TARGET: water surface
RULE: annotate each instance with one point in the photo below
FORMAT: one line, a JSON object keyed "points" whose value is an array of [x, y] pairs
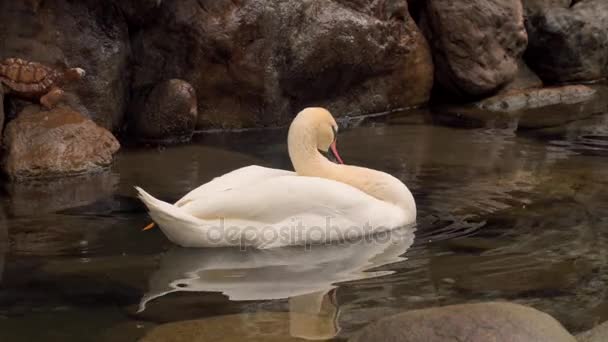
{"points": [[502, 216]]}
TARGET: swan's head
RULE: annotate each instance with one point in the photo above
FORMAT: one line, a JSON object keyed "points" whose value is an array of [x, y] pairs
{"points": [[314, 126]]}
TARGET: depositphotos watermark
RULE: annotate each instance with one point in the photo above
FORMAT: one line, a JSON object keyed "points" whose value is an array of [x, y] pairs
{"points": [[299, 233]]}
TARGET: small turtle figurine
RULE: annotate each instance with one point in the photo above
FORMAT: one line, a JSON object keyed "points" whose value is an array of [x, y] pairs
{"points": [[35, 81]]}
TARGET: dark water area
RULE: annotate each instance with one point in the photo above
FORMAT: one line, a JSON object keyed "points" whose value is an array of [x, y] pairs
{"points": [[502, 215]]}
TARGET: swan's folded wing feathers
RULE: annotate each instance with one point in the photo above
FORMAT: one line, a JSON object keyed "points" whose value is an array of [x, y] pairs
{"points": [[233, 180], [280, 198]]}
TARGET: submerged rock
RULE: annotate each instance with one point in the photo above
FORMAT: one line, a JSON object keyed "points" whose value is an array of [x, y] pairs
{"points": [[60, 142], [569, 44], [476, 44], [264, 326], [498, 322], [167, 114], [257, 62], [88, 34]]}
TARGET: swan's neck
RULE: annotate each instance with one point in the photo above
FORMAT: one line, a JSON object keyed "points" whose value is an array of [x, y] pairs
{"points": [[308, 161]]}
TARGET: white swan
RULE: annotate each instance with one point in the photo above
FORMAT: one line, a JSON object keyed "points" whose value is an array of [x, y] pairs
{"points": [[265, 208]]}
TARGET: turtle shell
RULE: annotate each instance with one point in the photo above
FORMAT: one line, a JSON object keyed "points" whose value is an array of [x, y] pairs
{"points": [[26, 77]]}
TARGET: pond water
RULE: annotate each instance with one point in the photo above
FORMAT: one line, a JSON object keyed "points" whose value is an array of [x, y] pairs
{"points": [[510, 216]]}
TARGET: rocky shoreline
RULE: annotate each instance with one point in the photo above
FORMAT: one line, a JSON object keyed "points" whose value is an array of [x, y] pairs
{"points": [[157, 70]]}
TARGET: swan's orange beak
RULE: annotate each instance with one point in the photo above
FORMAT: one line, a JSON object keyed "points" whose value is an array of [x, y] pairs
{"points": [[334, 151], [150, 226]]}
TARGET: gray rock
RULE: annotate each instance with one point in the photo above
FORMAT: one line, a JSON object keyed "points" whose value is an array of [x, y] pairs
{"points": [[476, 44], [88, 34], [257, 62], [168, 113], [569, 44], [60, 142], [498, 322], [597, 334]]}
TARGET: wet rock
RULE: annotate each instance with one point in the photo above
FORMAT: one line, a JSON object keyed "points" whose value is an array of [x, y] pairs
{"points": [[263, 326], [569, 44], [167, 114], [499, 322], [597, 334], [529, 108], [60, 142], [257, 62], [532, 99], [476, 44], [88, 34]]}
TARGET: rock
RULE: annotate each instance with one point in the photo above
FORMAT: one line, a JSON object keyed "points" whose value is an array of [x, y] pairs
{"points": [[569, 44], [529, 108], [597, 334], [87, 34], [168, 113], [525, 79], [534, 6], [257, 62], [476, 44], [498, 322], [537, 98], [264, 326], [60, 142]]}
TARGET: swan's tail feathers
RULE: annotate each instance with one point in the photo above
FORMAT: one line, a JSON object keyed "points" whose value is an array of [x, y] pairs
{"points": [[174, 221]]}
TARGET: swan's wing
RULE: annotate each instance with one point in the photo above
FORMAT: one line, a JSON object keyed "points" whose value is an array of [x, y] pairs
{"points": [[309, 199], [238, 178]]}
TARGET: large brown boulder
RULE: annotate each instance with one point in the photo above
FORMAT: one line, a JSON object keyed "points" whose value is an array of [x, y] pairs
{"points": [[61, 142], [257, 62], [89, 34], [476, 44], [497, 322], [569, 44], [167, 114]]}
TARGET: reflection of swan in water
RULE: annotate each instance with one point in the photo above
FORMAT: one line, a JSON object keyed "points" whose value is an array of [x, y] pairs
{"points": [[304, 275]]}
